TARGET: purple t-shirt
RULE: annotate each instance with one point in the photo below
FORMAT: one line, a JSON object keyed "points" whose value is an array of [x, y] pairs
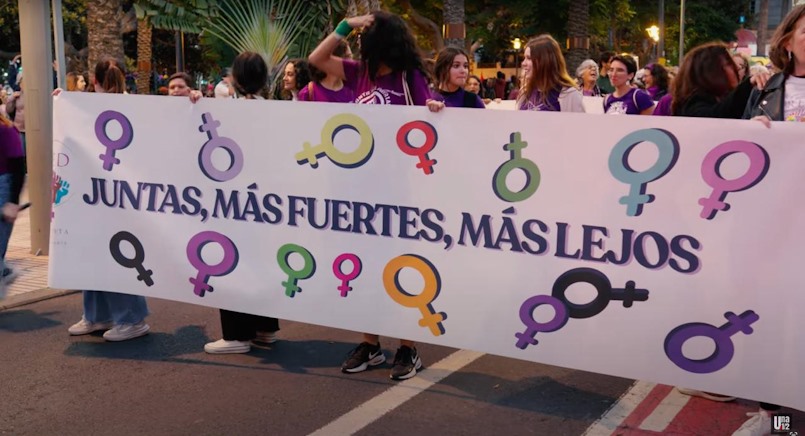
{"points": [[632, 103], [320, 93], [535, 103], [387, 89], [10, 146], [663, 107], [456, 99]]}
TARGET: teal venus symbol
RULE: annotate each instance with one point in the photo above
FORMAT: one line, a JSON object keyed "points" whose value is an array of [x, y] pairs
{"points": [[668, 149]]}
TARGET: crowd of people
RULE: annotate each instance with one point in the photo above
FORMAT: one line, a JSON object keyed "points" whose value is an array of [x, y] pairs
{"points": [[711, 81]]}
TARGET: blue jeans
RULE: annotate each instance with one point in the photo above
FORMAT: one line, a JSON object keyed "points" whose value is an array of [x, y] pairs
{"points": [[112, 306], [5, 227]]}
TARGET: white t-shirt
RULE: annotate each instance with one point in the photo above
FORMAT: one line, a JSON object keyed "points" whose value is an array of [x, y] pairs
{"points": [[794, 99], [222, 90]]}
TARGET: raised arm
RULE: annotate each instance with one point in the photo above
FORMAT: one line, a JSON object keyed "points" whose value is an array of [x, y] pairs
{"points": [[322, 57]]}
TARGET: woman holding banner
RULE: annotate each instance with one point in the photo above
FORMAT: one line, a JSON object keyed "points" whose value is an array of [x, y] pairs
{"points": [[242, 330], [451, 71], [547, 86], [328, 87], [626, 99], [121, 315], [391, 71], [782, 99]]}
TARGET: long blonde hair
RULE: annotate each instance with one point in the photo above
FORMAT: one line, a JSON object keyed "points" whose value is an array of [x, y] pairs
{"points": [[548, 69]]}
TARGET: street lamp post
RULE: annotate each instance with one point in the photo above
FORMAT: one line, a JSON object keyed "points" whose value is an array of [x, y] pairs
{"points": [[654, 34], [516, 44]]}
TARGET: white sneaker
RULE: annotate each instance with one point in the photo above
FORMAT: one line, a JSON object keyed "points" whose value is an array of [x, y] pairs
{"points": [[758, 425], [85, 327], [265, 337], [222, 346], [123, 332], [708, 395]]}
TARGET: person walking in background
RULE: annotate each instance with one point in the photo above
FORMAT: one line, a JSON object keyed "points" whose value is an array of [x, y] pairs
{"points": [[603, 81], [328, 87], [626, 99], [15, 107], [547, 85], [295, 77], [224, 88], [587, 75], [121, 315], [76, 82], [655, 77], [12, 177], [391, 71]]}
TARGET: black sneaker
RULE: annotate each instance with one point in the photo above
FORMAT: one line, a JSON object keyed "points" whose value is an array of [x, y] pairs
{"points": [[362, 357], [406, 362]]}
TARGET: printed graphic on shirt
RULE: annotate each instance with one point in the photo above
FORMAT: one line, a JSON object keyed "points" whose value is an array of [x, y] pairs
{"points": [[795, 99], [377, 96], [617, 108]]}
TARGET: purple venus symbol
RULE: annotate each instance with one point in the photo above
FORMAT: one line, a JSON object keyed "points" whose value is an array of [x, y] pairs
{"points": [[758, 166], [205, 271], [722, 336], [528, 337], [231, 147], [112, 145], [357, 267]]}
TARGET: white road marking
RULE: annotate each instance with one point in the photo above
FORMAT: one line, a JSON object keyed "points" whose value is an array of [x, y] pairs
{"points": [[372, 410], [622, 408], [665, 412]]}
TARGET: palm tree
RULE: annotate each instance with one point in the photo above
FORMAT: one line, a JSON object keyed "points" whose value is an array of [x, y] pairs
{"points": [[762, 27], [103, 31], [578, 32], [144, 52], [454, 19]]}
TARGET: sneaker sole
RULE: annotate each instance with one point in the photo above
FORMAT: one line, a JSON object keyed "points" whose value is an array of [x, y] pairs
{"points": [[378, 360], [417, 366], [86, 332], [142, 332], [209, 350]]}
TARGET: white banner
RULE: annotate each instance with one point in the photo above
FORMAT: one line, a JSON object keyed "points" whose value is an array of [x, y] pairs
{"points": [[654, 248]]}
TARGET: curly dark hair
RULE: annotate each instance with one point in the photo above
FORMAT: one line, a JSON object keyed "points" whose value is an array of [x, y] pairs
{"points": [[389, 41], [660, 75], [249, 73]]}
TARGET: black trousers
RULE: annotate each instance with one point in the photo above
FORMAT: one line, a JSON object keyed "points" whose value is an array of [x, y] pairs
{"points": [[238, 326]]}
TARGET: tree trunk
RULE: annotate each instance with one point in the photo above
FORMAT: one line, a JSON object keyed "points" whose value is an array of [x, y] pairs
{"points": [[103, 32], [144, 30], [454, 23], [578, 33], [762, 27]]}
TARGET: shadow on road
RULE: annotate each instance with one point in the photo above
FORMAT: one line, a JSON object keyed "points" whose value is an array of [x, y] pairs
{"points": [[20, 321]]}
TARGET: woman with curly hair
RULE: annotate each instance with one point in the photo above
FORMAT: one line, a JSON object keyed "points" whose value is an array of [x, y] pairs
{"points": [[391, 71], [656, 79], [296, 76], [547, 86]]}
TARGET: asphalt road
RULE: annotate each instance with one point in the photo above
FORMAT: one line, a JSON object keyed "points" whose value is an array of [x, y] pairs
{"points": [[164, 384]]}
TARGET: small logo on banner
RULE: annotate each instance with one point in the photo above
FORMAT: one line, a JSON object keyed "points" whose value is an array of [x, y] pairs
{"points": [[781, 424]]}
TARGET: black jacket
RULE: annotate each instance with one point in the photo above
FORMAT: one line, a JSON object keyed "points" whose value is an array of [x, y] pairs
{"points": [[769, 102], [731, 106]]}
